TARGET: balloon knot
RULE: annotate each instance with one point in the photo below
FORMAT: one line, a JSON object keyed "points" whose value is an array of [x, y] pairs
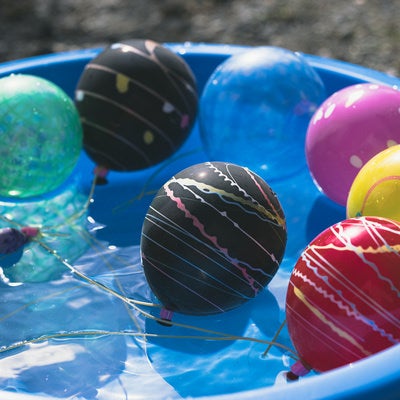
{"points": [[101, 175], [166, 316], [297, 370], [30, 231]]}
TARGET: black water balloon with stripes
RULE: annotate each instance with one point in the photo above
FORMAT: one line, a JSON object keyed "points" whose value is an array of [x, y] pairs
{"points": [[213, 238], [137, 102]]}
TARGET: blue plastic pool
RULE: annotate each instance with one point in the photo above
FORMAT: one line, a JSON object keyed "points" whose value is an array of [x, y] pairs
{"points": [[119, 366]]}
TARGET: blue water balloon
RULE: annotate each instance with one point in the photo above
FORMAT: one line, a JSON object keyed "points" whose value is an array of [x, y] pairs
{"points": [[255, 109]]}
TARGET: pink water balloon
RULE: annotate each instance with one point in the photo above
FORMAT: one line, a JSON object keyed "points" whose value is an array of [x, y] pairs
{"points": [[346, 131]]}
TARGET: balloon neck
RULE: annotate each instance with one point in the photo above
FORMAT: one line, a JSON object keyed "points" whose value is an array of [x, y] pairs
{"points": [[297, 370], [101, 173], [166, 317], [30, 231]]}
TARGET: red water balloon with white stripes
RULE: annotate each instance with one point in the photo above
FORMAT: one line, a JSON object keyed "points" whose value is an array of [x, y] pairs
{"points": [[343, 300]]}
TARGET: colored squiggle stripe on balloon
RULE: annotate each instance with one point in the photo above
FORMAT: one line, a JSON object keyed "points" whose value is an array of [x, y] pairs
{"points": [[213, 239], [374, 233], [206, 188], [275, 217], [343, 304], [340, 332], [347, 284], [159, 223], [373, 187], [185, 183], [172, 225], [227, 179], [226, 198], [318, 334], [181, 284], [360, 252], [325, 294], [230, 290], [283, 221]]}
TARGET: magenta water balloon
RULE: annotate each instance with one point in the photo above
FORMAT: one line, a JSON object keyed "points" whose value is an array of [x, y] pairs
{"points": [[348, 129]]}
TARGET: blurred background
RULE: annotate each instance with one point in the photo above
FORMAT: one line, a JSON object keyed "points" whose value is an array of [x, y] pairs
{"points": [[365, 32]]}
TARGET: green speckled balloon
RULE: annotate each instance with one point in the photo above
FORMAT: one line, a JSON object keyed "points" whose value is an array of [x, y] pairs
{"points": [[40, 136]]}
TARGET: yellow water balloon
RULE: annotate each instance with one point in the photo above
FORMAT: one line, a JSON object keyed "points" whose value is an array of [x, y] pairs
{"points": [[376, 188]]}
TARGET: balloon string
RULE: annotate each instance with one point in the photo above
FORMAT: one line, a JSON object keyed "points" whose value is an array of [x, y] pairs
{"points": [[128, 301], [78, 214], [26, 305], [93, 243], [136, 303], [150, 316], [144, 192], [134, 334], [274, 339], [86, 278], [10, 221]]}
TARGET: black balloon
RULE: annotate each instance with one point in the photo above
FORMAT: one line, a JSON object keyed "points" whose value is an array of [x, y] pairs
{"points": [[138, 102], [213, 237]]}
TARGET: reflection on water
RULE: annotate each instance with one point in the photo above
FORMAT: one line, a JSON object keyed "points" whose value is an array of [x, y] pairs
{"points": [[62, 219], [196, 367], [91, 345], [64, 337]]}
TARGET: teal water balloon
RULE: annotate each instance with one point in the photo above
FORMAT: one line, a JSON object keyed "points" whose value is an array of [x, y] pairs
{"points": [[255, 109], [40, 136]]}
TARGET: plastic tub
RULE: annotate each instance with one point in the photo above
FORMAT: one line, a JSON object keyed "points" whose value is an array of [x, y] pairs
{"points": [[375, 377]]}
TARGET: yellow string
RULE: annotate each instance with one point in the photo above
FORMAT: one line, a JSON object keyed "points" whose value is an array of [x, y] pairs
{"points": [[145, 192], [274, 339], [129, 302], [70, 334], [136, 303]]}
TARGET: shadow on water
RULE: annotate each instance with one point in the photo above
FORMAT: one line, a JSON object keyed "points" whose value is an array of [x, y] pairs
{"points": [[323, 213], [209, 367]]}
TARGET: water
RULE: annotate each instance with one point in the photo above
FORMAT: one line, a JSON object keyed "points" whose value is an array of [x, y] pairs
{"points": [[73, 340], [64, 337]]}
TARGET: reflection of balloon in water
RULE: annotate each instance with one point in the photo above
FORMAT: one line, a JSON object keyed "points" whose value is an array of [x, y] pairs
{"points": [[260, 100], [348, 129], [343, 300], [12, 239], [137, 102], [59, 221], [376, 188], [41, 136], [212, 238]]}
